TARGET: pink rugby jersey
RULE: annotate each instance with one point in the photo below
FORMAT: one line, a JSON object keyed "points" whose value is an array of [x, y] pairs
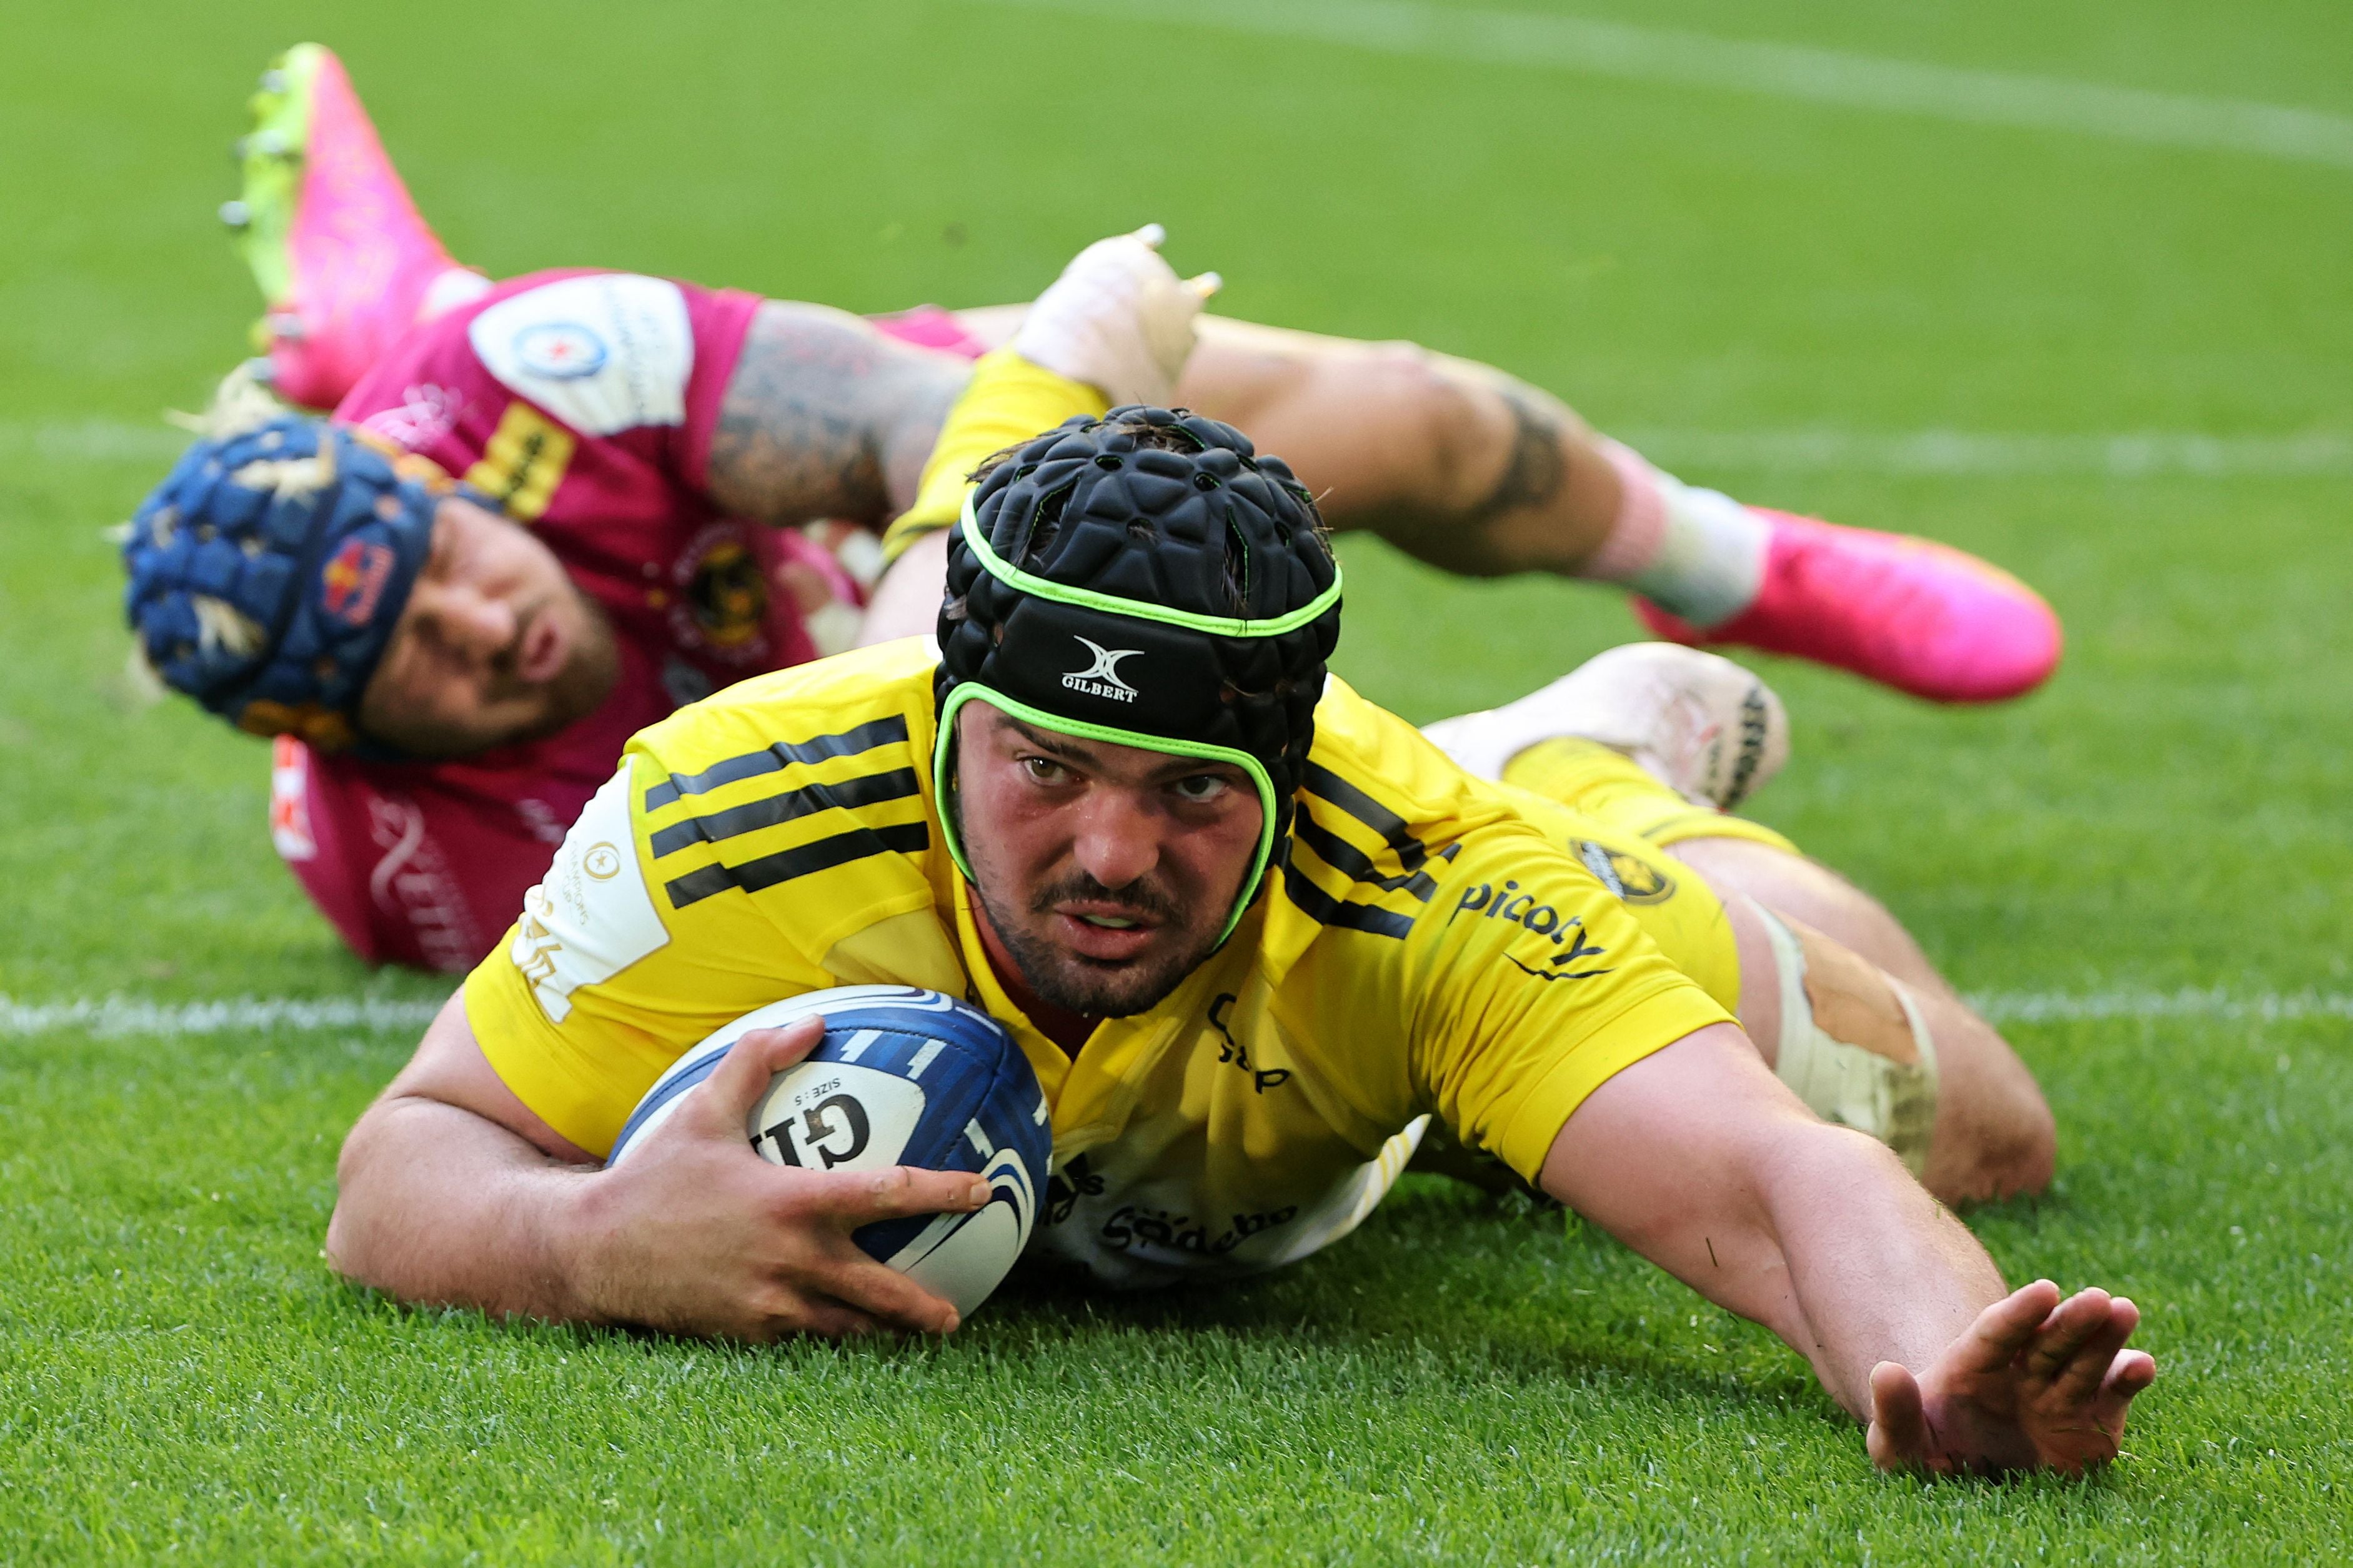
{"points": [[583, 401]]}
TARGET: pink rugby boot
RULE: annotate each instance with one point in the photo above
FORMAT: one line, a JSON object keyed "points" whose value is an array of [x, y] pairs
{"points": [[344, 262], [1919, 616]]}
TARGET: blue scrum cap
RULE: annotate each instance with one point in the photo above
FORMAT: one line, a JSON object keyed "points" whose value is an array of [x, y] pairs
{"points": [[268, 572]]}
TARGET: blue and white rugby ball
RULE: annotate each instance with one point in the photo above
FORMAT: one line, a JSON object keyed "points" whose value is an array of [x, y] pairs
{"points": [[903, 1077]]}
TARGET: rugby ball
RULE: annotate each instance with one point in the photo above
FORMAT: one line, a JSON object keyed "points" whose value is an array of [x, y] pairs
{"points": [[903, 1077]]}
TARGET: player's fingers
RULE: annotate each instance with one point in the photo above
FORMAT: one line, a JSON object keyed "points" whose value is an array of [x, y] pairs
{"points": [[1152, 234], [2081, 1375], [1898, 1436], [2131, 1372], [890, 1299], [1205, 284], [2008, 1326], [822, 1317], [735, 1085], [853, 1198], [2064, 1334]]}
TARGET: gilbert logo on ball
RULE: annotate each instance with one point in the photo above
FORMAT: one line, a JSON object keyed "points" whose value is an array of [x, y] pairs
{"points": [[903, 1077]]}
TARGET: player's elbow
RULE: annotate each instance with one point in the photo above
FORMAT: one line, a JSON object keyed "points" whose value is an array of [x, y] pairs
{"points": [[2035, 1159], [373, 1202], [350, 1232], [2015, 1156], [344, 1247], [2028, 1147]]}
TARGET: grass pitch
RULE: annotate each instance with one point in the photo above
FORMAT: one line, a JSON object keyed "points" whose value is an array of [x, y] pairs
{"points": [[2143, 866]]}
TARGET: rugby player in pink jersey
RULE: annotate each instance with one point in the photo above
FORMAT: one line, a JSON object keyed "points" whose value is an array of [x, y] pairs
{"points": [[1457, 463], [581, 405], [538, 524]]}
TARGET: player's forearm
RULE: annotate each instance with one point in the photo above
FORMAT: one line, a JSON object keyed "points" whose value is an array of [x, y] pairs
{"points": [[906, 602], [439, 1206], [1008, 401], [1878, 1270], [1702, 1162]]}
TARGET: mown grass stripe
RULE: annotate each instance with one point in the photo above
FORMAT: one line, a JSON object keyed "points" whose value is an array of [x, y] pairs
{"points": [[1808, 75], [1963, 454]]}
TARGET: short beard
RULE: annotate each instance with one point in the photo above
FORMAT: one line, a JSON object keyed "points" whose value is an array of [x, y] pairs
{"points": [[580, 688], [1075, 985], [574, 691]]}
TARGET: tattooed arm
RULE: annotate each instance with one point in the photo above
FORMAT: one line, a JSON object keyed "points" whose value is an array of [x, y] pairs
{"points": [[827, 418], [1457, 463], [1454, 462]]}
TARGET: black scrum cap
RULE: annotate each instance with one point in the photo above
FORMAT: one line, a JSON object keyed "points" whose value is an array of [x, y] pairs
{"points": [[1146, 579]]}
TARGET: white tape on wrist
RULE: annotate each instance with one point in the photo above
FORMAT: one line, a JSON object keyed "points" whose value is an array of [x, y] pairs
{"points": [[1118, 318]]}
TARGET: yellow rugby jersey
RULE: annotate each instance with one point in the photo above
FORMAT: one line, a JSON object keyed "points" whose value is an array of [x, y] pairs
{"points": [[1424, 947]]}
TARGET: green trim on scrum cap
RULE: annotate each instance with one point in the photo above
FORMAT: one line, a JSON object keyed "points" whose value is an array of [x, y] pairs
{"points": [[971, 691], [1112, 604]]}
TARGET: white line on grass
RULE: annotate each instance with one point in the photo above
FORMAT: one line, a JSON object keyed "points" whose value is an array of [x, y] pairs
{"points": [[1776, 71], [93, 440], [2148, 454], [1978, 453], [121, 1014], [118, 1015], [2054, 1006]]}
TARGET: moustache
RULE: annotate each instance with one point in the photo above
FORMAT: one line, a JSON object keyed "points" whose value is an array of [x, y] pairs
{"points": [[1137, 898]]}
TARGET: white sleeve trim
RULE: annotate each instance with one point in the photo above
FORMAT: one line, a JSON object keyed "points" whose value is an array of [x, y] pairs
{"points": [[604, 352]]}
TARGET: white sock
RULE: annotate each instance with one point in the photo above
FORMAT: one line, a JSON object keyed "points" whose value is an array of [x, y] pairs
{"points": [[1695, 554]]}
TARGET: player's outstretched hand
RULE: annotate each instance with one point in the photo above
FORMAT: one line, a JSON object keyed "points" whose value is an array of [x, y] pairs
{"points": [[1118, 318], [2035, 1384], [697, 1234]]}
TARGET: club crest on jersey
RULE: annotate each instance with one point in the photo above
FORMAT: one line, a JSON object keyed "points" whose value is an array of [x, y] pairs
{"points": [[353, 582], [561, 351], [1633, 881], [1101, 678], [719, 606]]}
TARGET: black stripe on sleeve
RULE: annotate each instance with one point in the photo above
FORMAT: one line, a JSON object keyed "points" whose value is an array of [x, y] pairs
{"points": [[1323, 782], [1353, 863], [1326, 910], [821, 855], [846, 794], [774, 759]]}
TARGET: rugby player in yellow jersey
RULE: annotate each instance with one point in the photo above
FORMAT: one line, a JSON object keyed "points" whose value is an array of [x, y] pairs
{"points": [[1251, 931]]}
